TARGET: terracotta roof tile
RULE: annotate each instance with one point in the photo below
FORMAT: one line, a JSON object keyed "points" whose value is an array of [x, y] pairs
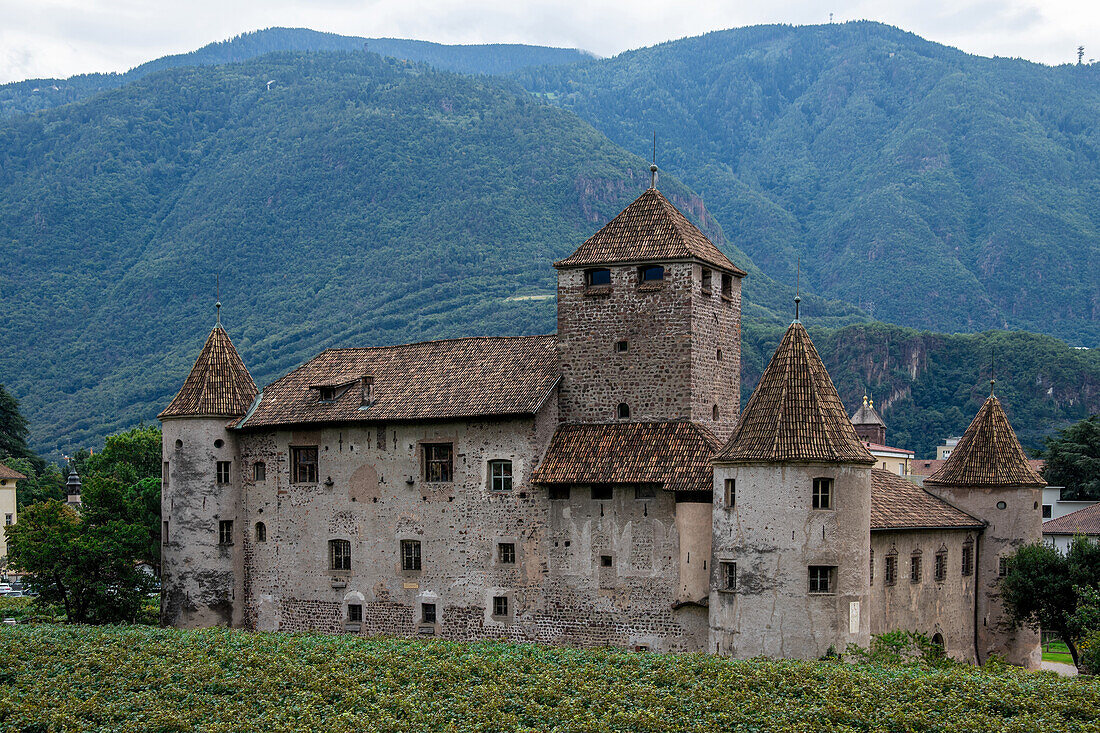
{"points": [[897, 503], [1082, 521], [6, 472], [795, 413], [674, 454], [650, 229], [431, 380], [219, 385], [988, 454]]}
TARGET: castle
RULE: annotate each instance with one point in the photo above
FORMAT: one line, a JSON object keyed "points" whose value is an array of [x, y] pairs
{"points": [[593, 487]]}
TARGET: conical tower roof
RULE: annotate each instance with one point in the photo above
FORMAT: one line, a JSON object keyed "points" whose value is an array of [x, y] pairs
{"points": [[650, 229], [795, 414], [219, 385], [867, 415], [988, 454]]}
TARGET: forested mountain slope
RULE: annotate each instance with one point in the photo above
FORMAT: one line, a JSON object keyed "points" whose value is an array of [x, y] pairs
{"points": [[490, 58], [933, 188], [358, 201]]}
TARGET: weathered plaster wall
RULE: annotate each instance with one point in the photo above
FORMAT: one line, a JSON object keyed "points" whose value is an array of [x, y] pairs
{"points": [[7, 508], [559, 591], [670, 369], [929, 606], [1018, 524], [201, 579], [774, 535]]}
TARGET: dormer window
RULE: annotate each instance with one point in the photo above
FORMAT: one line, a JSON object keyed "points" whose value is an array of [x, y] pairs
{"points": [[651, 273], [597, 276], [328, 394]]}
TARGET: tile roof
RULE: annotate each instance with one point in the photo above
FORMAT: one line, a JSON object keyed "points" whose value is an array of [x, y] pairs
{"points": [[219, 385], [897, 503], [1082, 521], [867, 415], [650, 229], [431, 380], [988, 454], [795, 413], [6, 472], [674, 454], [886, 448]]}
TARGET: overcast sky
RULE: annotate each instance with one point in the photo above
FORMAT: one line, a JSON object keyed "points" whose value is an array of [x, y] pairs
{"points": [[59, 38]]}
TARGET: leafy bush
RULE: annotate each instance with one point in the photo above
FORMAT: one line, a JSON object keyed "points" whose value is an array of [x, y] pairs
{"points": [[902, 648], [143, 679], [25, 611]]}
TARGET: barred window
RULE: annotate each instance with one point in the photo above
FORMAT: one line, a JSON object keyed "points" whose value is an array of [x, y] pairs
{"points": [[890, 573], [438, 463], [339, 552], [729, 576], [915, 569], [225, 532], [500, 475], [941, 566], [968, 556], [427, 613], [355, 612], [500, 605], [823, 493], [303, 464], [223, 472], [506, 553], [822, 578], [261, 532], [1002, 566], [410, 555]]}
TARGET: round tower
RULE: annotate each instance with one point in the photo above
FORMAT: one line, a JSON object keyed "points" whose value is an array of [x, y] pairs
{"points": [[201, 562], [792, 515], [987, 476]]}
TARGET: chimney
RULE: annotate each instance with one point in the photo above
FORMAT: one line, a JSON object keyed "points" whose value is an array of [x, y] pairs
{"points": [[367, 384]]}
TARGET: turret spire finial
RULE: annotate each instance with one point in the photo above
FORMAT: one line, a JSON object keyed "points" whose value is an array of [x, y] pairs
{"points": [[797, 287], [218, 299], [653, 164], [992, 372]]}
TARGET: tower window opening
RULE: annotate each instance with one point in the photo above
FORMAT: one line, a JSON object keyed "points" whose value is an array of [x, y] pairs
{"points": [[968, 556], [621, 346], [225, 532], [355, 612], [890, 576], [915, 569], [597, 276], [259, 471], [651, 273], [731, 492], [727, 286], [261, 532], [506, 553], [941, 566], [706, 280], [823, 493], [729, 576], [500, 475], [822, 579], [303, 464], [438, 462], [601, 492], [718, 355], [223, 472], [714, 413], [410, 555], [623, 411], [339, 553]]}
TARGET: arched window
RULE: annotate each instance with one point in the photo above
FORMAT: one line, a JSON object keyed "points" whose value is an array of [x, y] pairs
{"points": [[261, 532], [937, 641], [623, 411], [339, 552]]}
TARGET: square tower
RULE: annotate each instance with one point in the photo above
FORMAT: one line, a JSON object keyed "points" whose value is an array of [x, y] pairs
{"points": [[649, 323]]}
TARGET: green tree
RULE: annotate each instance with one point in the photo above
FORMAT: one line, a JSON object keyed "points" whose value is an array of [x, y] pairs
{"points": [[1073, 459], [14, 431], [1086, 621], [49, 483], [82, 562], [129, 457], [1041, 587]]}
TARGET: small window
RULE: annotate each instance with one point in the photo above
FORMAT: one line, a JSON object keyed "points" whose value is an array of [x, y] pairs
{"points": [[650, 273], [915, 567], [506, 553], [163, 533], [1002, 566], [601, 492], [1002, 505], [706, 280], [623, 411], [890, 574], [261, 532], [731, 492], [500, 605], [339, 552], [500, 475], [729, 576], [622, 346], [1047, 508], [558, 492], [714, 413], [355, 612], [410, 555], [871, 567], [164, 475], [940, 569], [225, 532], [219, 443], [968, 557], [597, 276], [605, 561], [303, 464], [822, 578], [259, 471], [438, 463], [328, 394], [645, 492], [223, 472], [727, 286], [427, 613], [823, 493], [718, 355]]}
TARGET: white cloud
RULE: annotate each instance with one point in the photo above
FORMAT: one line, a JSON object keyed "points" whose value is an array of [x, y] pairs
{"points": [[40, 38]]}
